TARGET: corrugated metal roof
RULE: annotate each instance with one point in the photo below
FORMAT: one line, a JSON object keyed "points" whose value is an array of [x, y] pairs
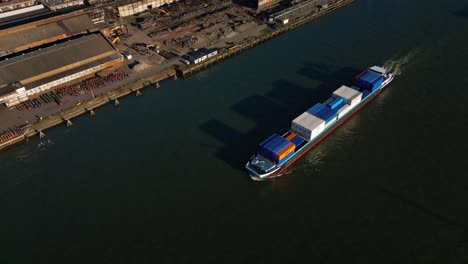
{"points": [[72, 71], [54, 57], [11, 39]]}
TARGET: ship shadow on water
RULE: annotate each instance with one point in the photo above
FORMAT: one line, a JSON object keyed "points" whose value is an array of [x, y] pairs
{"points": [[462, 12], [273, 111]]}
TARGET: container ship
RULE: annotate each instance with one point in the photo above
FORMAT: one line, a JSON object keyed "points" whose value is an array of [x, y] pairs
{"points": [[276, 153]]}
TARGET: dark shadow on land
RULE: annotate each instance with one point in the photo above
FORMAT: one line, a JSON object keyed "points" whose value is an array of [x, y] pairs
{"points": [[462, 13], [247, 3], [273, 112]]}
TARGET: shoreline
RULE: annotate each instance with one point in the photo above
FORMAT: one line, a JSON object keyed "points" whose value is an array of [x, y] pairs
{"points": [[65, 116]]}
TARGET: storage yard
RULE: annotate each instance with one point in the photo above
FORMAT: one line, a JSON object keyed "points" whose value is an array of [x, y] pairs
{"points": [[61, 62]]}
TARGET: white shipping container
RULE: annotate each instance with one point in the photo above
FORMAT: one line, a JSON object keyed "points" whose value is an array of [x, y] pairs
{"points": [[349, 95], [307, 126], [343, 110]]}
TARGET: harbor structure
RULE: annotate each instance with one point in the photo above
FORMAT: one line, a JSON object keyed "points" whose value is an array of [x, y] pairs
{"points": [[132, 8], [28, 36], [29, 74]]}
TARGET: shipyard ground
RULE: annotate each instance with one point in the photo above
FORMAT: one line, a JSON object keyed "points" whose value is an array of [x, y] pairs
{"points": [[212, 27]]}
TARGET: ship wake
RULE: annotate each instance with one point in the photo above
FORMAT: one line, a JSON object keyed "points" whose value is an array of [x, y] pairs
{"points": [[397, 64]]}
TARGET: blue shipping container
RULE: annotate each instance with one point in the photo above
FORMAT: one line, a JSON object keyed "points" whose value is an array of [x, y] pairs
{"points": [[314, 109], [365, 93], [364, 85], [283, 160], [326, 114], [370, 76], [339, 106], [281, 146], [272, 146], [335, 102], [274, 143], [267, 140], [377, 84], [297, 140]]}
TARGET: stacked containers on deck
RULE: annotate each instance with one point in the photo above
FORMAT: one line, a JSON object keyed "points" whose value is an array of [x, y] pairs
{"points": [[349, 95], [326, 114], [307, 126], [342, 110], [370, 80], [323, 112], [365, 93], [295, 139], [276, 148], [335, 103], [316, 108]]}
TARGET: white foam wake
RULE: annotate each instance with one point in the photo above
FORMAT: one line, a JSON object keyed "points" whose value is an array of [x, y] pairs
{"points": [[396, 65]]}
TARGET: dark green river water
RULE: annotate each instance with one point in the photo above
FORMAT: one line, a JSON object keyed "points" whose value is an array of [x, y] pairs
{"points": [[161, 179]]}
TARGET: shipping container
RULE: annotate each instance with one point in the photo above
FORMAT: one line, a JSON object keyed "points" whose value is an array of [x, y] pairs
{"points": [[327, 114], [297, 140], [268, 140], [290, 147], [271, 146], [349, 95], [371, 80], [282, 161], [307, 126], [328, 101], [365, 93], [337, 101], [281, 146], [370, 77], [339, 106], [290, 136], [314, 109], [377, 84], [343, 110]]}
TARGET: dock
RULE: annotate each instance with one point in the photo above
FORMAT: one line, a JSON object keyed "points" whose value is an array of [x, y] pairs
{"points": [[236, 49], [88, 107], [152, 76]]}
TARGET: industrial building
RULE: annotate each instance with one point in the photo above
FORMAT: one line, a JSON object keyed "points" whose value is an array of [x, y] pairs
{"points": [[61, 4], [29, 74], [133, 8], [15, 4], [263, 4], [258, 4], [199, 55], [38, 33]]}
